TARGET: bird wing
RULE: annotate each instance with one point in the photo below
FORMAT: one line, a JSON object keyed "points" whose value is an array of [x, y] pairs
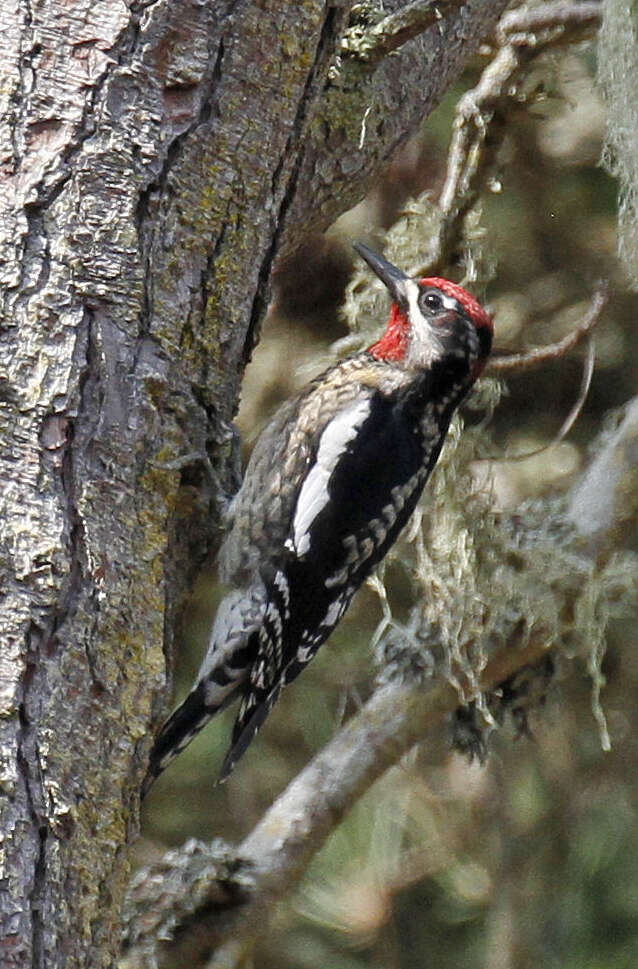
{"points": [[263, 509], [366, 473]]}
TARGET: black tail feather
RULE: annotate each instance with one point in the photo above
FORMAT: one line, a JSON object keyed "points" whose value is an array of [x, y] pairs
{"points": [[178, 731], [254, 709], [245, 732]]}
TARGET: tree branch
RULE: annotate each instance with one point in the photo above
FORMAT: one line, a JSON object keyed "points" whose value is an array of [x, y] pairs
{"points": [[521, 36], [603, 505], [528, 359], [160, 156], [374, 43], [201, 897], [273, 857], [370, 107], [276, 853], [547, 16]]}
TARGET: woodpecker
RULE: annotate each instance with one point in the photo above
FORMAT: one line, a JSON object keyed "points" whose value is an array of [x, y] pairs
{"points": [[331, 483]]}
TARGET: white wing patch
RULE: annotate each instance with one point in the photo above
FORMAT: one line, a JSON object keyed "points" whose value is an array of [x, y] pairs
{"points": [[314, 496]]}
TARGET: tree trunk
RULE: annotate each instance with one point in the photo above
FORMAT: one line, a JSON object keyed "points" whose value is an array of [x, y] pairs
{"points": [[155, 159]]}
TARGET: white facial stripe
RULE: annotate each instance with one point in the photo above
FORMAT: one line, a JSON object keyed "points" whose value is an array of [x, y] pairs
{"points": [[412, 291], [424, 346], [449, 302], [314, 496]]}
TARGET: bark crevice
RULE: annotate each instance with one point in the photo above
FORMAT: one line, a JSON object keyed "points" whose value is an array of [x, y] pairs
{"points": [[159, 158]]}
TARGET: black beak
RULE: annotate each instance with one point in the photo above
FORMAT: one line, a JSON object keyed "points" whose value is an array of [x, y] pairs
{"points": [[390, 276]]}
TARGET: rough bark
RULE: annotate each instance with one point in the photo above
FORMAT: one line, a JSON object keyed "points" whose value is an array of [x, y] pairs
{"points": [[155, 158]]}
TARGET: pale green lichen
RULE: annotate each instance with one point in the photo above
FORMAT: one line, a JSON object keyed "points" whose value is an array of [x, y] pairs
{"points": [[167, 894], [482, 581]]}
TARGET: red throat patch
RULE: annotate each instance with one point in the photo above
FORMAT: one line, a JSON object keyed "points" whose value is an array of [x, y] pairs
{"points": [[393, 345]]}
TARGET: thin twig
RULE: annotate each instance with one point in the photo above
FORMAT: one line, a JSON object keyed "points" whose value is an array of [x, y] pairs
{"points": [[519, 362], [570, 420], [533, 358], [518, 42], [473, 116]]}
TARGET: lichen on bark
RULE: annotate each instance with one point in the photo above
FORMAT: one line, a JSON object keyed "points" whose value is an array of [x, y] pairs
{"points": [[155, 159]]}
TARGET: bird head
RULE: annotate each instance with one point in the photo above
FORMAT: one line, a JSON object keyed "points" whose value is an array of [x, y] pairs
{"points": [[431, 320]]}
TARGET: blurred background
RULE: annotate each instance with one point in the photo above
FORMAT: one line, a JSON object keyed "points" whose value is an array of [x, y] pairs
{"points": [[529, 860]]}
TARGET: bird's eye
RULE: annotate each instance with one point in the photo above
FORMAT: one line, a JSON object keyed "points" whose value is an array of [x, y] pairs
{"points": [[431, 301]]}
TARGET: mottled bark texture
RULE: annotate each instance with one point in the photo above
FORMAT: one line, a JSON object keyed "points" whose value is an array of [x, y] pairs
{"points": [[154, 160]]}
